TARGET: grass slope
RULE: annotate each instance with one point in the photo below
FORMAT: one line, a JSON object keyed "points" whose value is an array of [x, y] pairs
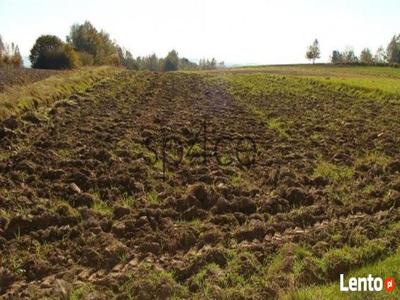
{"points": [[44, 92]]}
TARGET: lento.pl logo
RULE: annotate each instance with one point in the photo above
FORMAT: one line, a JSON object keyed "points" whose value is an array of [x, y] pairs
{"points": [[366, 284]]}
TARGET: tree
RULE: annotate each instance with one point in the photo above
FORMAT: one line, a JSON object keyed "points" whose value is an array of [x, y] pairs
{"points": [[151, 63], [171, 61], [313, 51], [349, 56], [44, 47], [206, 64], [49, 52], [393, 50], [337, 57], [86, 38], [213, 63], [186, 64], [16, 58], [85, 58], [71, 58], [380, 56], [10, 55], [126, 59], [366, 56]]}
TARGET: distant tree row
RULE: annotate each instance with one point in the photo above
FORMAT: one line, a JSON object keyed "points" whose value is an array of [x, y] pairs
{"points": [[206, 64], [348, 56], [86, 46], [389, 56], [171, 62], [9, 55]]}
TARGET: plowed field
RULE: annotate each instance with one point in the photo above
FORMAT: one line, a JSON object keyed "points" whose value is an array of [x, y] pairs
{"points": [[186, 185]]}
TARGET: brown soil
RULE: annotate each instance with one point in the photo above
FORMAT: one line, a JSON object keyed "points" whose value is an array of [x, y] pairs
{"points": [[83, 201]]}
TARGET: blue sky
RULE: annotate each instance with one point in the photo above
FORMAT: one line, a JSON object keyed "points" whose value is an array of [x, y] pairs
{"points": [[251, 31]]}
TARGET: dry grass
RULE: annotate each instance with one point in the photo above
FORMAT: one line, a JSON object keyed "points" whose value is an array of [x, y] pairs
{"points": [[49, 90]]}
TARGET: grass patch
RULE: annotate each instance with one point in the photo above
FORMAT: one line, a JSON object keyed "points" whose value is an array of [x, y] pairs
{"points": [[387, 267], [371, 158], [335, 173], [278, 125], [64, 153], [51, 89], [101, 207], [152, 197], [81, 292], [236, 180], [339, 176], [62, 206], [238, 280], [149, 282], [128, 201]]}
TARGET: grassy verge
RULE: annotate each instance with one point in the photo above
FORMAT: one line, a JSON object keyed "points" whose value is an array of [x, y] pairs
{"points": [[368, 87], [49, 90], [360, 81], [387, 267], [324, 70]]}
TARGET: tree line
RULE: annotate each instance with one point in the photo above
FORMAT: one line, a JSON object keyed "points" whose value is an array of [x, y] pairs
{"points": [[171, 62], [388, 56], [9, 54], [86, 46]]}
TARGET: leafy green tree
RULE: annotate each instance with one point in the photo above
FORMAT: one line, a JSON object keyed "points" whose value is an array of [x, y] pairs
{"points": [[126, 59], [49, 52], [86, 38], [186, 64], [213, 63], [349, 56], [151, 63], [43, 50], [70, 56], [366, 56], [337, 57], [85, 58], [207, 64], [393, 50], [313, 51], [380, 56], [171, 61]]}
